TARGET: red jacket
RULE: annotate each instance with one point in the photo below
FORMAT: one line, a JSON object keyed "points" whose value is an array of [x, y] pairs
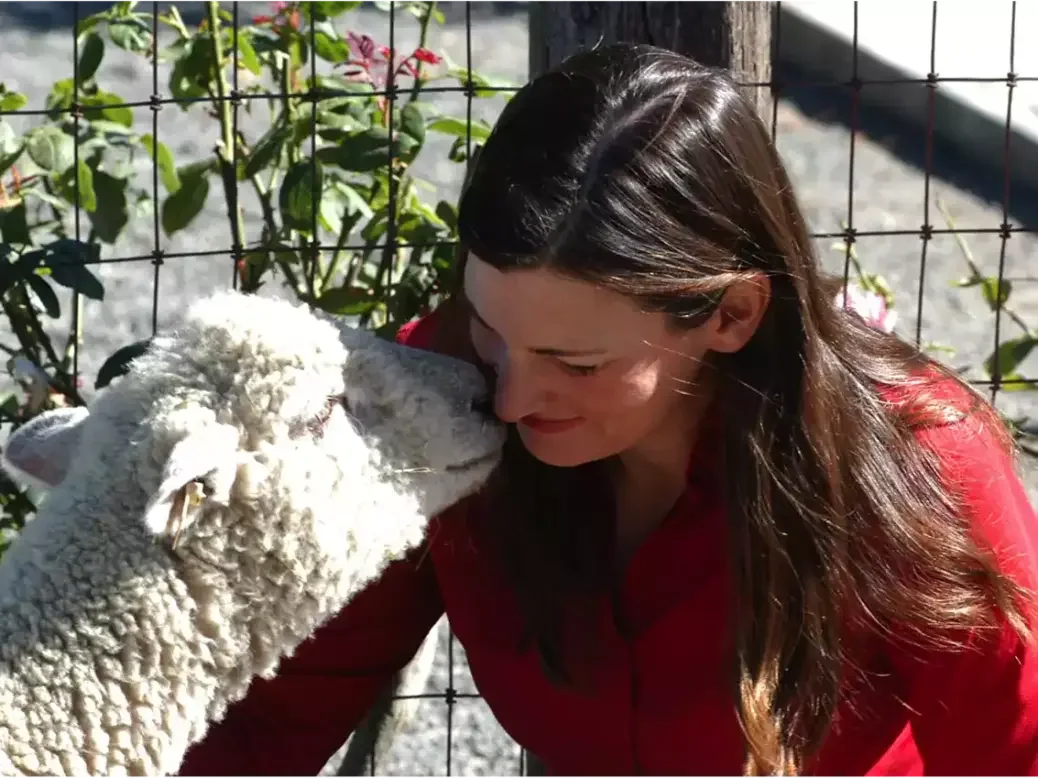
{"points": [[662, 702]]}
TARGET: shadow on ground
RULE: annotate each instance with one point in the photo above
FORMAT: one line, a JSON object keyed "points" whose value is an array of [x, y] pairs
{"points": [[833, 105], [51, 16]]}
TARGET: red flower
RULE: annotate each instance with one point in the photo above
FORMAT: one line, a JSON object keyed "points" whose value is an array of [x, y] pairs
{"points": [[427, 56], [385, 52], [262, 19]]}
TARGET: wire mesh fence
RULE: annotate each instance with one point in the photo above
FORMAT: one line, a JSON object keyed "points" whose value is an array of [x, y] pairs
{"points": [[326, 143]]}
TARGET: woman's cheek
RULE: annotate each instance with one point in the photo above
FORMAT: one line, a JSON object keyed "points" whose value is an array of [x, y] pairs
{"points": [[640, 384], [483, 344]]}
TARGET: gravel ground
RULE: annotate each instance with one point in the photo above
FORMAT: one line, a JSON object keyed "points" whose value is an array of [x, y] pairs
{"points": [[888, 191]]}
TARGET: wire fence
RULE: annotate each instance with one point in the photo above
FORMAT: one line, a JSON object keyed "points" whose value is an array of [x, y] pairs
{"points": [[322, 199]]}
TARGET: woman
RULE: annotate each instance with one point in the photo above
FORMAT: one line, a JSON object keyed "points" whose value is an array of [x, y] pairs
{"points": [[735, 530]]}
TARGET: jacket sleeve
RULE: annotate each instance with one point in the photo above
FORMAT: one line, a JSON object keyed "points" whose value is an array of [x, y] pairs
{"points": [[293, 723], [976, 711]]}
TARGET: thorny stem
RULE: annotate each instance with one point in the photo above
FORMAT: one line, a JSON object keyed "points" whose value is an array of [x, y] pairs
{"points": [[225, 154], [967, 255], [268, 217], [31, 336], [423, 34]]}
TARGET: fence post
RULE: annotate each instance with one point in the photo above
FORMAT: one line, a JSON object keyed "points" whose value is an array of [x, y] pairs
{"points": [[734, 35]]}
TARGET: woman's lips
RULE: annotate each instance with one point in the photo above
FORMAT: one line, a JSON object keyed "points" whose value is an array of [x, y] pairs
{"points": [[550, 426]]}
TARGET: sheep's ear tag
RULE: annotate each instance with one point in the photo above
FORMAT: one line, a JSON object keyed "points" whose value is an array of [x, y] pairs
{"points": [[183, 491], [40, 451]]}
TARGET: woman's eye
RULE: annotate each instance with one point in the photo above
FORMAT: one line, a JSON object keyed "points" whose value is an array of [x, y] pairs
{"points": [[582, 370]]}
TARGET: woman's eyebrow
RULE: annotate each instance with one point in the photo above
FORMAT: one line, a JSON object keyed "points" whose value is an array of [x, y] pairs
{"points": [[549, 352]]}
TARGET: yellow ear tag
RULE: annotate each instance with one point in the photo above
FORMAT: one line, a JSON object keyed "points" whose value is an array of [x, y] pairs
{"points": [[187, 499]]}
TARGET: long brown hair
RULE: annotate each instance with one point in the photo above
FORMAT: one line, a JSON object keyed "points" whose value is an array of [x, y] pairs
{"points": [[639, 170]]}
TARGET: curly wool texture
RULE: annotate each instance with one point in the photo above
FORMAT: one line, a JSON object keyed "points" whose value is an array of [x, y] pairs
{"points": [[123, 633]]}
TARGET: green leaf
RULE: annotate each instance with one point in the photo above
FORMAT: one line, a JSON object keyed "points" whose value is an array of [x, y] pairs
{"points": [[27, 263], [15, 226], [66, 259], [129, 37], [296, 198], [88, 23], [333, 209], [247, 55], [192, 72], [361, 152], [346, 301], [106, 127], [993, 295], [459, 128], [61, 95], [80, 176], [459, 151], [90, 55], [111, 215], [481, 87], [412, 122], [266, 149], [13, 101], [7, 160], [46, 295], [1014, 382], [331, 49], [163, 157], [355, 202], [322, 11], [448, 214], [119, 363], [181, 207], [105, 105], [51, 149], [1010, 354]]}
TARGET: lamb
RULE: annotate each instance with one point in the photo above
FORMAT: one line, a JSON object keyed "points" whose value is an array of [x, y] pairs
{"points": [[254, 470]]}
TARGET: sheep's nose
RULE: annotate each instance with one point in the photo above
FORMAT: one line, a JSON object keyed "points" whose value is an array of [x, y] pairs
{"points": [[484, 406]]}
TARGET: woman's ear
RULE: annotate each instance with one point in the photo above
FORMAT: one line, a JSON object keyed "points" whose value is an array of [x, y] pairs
{"points": [[738, 314]]}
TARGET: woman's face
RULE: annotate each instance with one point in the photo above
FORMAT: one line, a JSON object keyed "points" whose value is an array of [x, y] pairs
{"points": [[583, 371]]}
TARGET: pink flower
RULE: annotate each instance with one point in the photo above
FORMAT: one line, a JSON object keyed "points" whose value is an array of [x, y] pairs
{"points": [[870, 306]]}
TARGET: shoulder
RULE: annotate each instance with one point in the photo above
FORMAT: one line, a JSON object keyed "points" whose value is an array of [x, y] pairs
{"points": [[419, 333], [977, 461]]}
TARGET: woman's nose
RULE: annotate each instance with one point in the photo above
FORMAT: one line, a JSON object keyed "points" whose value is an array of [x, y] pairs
{"points": [[514, 396]]}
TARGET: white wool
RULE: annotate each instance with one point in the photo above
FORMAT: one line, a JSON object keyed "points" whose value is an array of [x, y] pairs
{"points": [[125, 632]]}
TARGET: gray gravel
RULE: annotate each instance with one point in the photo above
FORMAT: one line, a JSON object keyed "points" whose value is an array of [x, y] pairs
{"points": [[888, 195]]}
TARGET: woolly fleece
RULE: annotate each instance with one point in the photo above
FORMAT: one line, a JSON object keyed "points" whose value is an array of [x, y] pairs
{"points": [[125, 632]]}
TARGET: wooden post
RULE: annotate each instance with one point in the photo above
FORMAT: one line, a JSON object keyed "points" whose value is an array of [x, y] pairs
{"points": [[734, 35]]}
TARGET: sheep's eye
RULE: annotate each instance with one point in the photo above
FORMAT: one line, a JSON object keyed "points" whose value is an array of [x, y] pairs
{"points": [[317, 424]]}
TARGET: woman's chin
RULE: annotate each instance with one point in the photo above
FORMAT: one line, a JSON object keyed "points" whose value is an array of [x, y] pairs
{"points": [[555, 450]]}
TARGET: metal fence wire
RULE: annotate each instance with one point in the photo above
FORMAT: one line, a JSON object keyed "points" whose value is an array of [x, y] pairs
{"points": [[228, 98]]}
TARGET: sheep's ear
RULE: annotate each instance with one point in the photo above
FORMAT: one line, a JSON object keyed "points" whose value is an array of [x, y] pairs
{"points": [[38, 453], [201, 466]]}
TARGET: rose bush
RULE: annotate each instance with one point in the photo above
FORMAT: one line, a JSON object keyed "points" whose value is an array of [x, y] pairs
{"points": [[347, 225]]}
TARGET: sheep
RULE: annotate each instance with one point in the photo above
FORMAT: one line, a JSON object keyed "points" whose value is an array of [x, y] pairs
{"points": [[253, 470]]}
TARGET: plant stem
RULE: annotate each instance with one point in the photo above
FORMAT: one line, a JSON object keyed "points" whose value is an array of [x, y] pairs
{"points": [[268, 217], [967, 255], [423, 34], [228, 175]]}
